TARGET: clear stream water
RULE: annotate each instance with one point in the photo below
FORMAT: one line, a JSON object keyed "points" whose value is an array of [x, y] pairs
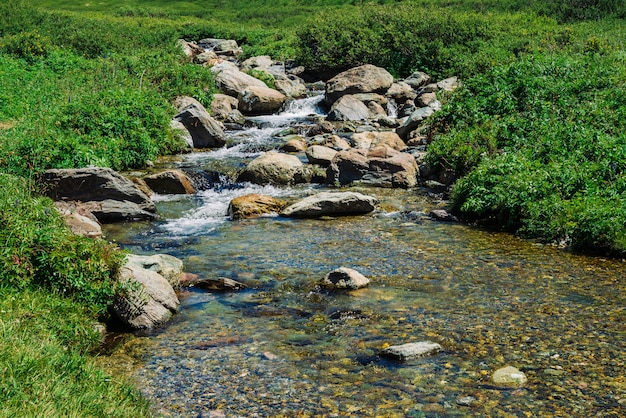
{"points": [[285, 348]]}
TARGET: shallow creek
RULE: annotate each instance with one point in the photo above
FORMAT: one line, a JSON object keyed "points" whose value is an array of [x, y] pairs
{"points": [[285, 348]]}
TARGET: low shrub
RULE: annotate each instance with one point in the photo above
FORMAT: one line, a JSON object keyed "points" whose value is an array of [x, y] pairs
{"points": [[39, 251]]}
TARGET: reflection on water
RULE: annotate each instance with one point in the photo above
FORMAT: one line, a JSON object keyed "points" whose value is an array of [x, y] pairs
{"points": [[280, 348]]}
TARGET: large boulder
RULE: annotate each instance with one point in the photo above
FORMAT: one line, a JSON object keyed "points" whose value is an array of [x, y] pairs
{"points": [[260, 100], [397, 170], [413, 122], [253, 205], [317, 154], [364, 79], [331, 204], [222, 105], [190, 49], [170, 182], [272, 168], [348, 108], [344, 278], [290, 85], [417, 79], [347, 166], [261, 61], [148, 300], [205, 131], [168, 266], [110, 196], [231, 81], [382, 166], [367, 140]]}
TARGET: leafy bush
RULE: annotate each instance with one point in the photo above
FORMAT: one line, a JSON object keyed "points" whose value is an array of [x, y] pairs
{"points": [[27, 45], [39, 251], [543, 142]]}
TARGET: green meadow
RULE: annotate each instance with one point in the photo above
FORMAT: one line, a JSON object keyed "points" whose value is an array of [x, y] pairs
{"points": [[537, 135]]}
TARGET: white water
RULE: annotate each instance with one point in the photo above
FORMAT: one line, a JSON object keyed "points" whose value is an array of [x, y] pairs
{"points": [[210, 207]]}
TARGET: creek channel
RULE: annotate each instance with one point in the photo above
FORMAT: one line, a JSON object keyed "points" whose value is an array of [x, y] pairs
{"points": [[283, 347]]}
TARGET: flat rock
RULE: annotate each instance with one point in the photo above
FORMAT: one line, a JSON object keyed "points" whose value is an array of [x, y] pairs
{"points": [[253, 205], [331, 204], [168, 266], [411, 351], [317, 154], [344, 278]]}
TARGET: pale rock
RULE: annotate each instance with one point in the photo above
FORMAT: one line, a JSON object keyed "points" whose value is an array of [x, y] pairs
{"points": [[344, 278], [364, 79], [411, 351], [272, 168], [348, 108], [317, 154], [260, 100], [331, 204], [170, 267], [509, 376]]}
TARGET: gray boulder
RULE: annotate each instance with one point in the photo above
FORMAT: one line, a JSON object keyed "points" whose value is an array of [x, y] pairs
{"points": [[110, 196], [347, 166], [411, 351], [149, 300], [182, 132], [260, 100], [272, 168], [331, 204], [231, 81], [344, 278], [170, 267], [290, 86], [348, 108], [364, 79], [418, 79], [413, 122], [205, 131], [262, 61]]}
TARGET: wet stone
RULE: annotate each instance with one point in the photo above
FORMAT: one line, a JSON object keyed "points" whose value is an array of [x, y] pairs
{"points": [[411, 351], [509, 376], [466, 401]]}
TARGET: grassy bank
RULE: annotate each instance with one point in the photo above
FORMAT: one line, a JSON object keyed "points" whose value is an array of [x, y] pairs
{"points": [[536, 131]]}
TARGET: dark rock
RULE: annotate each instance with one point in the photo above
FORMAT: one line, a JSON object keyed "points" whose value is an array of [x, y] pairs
{"points": [[170, 182], [344, 278]]}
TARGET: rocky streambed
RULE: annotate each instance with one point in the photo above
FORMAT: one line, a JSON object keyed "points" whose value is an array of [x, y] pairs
{"points": [[504, 326]]}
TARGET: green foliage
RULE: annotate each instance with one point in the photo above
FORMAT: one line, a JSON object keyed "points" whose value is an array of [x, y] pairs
{"points": [[27, 45], [39, 251], [543, 142], [264, 76], [44, 339]]}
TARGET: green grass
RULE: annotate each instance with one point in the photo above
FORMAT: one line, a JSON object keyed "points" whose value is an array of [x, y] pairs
{"points": [[536, 132], [45, 373]]}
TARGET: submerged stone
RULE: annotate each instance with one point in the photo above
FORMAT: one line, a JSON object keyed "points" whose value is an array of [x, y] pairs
{"points": [[411, 351], [509, 376]]}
